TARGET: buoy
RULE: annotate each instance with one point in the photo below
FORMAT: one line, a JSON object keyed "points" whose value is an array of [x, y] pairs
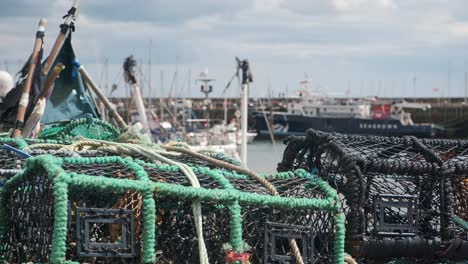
{"points": [[6, 83]]}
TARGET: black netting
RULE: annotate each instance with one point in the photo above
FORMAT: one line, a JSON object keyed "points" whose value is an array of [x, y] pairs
{"points": [[316, 243], [30, 216], [9, 160], [104, 226], [111, 170], [399, 194], [176, 233], [176, 177]]}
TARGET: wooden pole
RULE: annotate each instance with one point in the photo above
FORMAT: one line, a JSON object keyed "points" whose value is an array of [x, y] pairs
{"points": [[39, 108], [24, 101], [48, 84], [87, 78], [64, 32]]}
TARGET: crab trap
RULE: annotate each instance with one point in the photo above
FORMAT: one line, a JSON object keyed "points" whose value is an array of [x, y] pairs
{"points": [[403, 197], [123, 210]]}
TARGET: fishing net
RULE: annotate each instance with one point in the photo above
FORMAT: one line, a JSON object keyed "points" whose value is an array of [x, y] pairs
{"points": [[90, 206], [92, 129], [400, 195]]}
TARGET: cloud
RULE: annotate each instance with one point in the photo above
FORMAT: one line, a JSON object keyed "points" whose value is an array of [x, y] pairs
{"points": [[353, 5], [345, 38]]}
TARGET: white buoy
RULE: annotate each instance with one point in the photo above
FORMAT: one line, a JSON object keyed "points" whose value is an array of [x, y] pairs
{"points": [[6, 83]]}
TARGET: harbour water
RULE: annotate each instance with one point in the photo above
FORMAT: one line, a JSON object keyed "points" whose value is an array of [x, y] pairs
{"points": [[263, 155]]}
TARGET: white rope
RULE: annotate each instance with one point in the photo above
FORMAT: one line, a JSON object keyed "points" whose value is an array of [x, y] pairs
{"points": [[196, 205]]}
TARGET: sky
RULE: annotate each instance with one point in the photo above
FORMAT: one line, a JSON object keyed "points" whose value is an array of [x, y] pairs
{"points": [[384, 48]]}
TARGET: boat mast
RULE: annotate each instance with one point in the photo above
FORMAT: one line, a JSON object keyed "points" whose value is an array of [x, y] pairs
{"points": [[246, 79], [206, 88], [150, 93], [466, 83], [448, 81], [130, 78], [161, 100]]}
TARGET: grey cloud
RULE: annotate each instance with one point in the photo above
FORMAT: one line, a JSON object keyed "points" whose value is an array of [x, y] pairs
{"points": [[305, 35], [159, 11], [24, 8]]}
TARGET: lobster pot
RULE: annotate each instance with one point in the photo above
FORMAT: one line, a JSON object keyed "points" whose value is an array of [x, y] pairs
{"points": [[266, 230], [457, 172], [269, 230], [400, 195], [120, 210], [176, 233], [96, 223]]}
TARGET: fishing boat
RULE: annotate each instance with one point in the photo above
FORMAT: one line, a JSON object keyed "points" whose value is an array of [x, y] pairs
{"points": [[368, 116]]}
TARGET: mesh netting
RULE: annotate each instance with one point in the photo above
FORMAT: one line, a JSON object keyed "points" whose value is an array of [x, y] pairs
{"points": [[30, 219], [399, 194], [122, 210], [96, 129]]}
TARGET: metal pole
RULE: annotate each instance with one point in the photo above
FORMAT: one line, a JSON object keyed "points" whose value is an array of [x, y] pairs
{"points": [[244, 113], [161, 100], [448, 82], [466, 84], [207, 105], [225, 109], [246, 79]]}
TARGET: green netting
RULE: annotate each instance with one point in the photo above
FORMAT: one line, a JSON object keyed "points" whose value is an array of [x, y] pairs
{"points": [[160, 197], [96, 129], [40, 206]]}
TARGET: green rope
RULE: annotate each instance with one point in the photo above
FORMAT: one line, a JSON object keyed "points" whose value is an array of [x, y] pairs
{"points": [[228, 196], [149, 228], [460, 222], [59, 235], [339, 238], [19, 141]]}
